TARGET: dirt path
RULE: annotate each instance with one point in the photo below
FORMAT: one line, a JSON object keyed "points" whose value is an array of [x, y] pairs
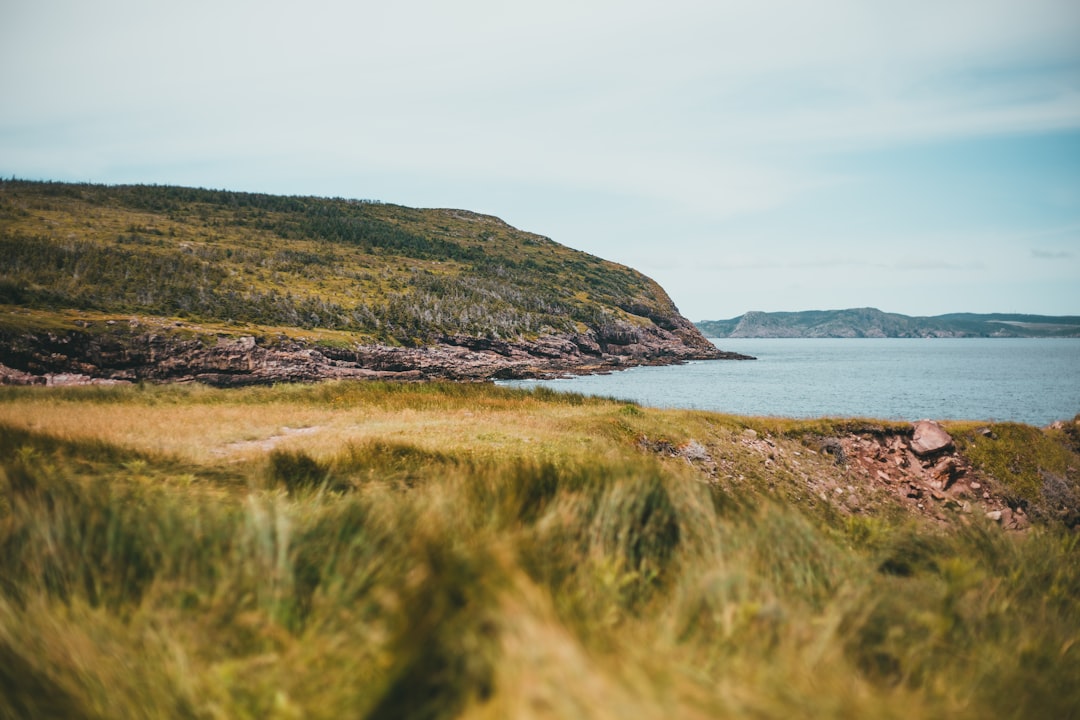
{"points": [[268, 443]]}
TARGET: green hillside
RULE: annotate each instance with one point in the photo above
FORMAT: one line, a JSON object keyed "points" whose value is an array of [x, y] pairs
{"points": [[380, 272]]}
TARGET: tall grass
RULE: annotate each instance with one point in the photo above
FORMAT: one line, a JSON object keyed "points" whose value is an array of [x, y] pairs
{"points": [[392, 578]]}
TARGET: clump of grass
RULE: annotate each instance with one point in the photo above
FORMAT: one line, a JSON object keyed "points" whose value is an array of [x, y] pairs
{"points": [[295, 470], [1038, 469], [390, 462], [1015, 636]]}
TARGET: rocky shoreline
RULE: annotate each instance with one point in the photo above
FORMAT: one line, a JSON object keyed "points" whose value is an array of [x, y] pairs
{"points": [[130, 353]]}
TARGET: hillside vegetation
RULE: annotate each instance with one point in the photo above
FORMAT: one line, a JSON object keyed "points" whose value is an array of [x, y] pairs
{"points": [[871, 322], [380, 272], [377, 550]]}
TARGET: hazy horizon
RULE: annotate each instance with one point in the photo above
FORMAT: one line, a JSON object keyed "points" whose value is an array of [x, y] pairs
{"points": [[921, 158]]}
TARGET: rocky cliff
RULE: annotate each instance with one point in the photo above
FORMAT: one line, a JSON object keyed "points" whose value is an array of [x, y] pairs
{"points": [[128, 352]]}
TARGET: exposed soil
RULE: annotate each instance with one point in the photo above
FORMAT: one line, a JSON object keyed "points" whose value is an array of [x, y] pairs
{"points": [[268, 443], [860, 473]]}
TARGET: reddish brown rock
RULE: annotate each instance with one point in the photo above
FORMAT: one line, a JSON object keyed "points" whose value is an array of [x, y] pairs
{"points": [[929, 438], [9, 376], [167, 355], [947, 470]]}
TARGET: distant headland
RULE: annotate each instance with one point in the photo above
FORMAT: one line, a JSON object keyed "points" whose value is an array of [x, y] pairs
{"points": [[873, 323]]}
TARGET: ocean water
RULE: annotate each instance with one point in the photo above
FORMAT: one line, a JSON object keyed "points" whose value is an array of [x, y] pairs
{"points": [[1034, 381]]}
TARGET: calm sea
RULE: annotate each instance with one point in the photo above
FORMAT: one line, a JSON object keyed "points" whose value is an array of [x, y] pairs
{"points": [[1034, 381]]}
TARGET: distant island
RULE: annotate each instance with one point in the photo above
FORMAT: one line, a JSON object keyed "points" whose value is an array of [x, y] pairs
{"points": [[873, 323]]}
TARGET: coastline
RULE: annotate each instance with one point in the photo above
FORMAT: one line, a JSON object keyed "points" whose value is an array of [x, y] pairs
{"points": [[133, 350]]}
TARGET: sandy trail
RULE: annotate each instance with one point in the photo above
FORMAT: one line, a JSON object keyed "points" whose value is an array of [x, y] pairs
{"points": [[267, 443]]}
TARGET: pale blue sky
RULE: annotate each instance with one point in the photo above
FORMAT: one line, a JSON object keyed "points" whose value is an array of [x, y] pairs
{"points": [[921, 156]]}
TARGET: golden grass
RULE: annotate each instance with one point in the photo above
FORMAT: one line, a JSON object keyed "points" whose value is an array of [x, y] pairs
{"points": [[438, 551], [234, 426]]}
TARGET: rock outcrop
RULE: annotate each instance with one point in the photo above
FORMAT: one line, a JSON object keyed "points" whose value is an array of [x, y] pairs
{"points": [[927, 475], [177, 354], [866, 471]]}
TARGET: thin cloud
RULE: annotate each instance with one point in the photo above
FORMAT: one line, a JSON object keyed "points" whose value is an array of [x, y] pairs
{"points": [[1050, 254]]}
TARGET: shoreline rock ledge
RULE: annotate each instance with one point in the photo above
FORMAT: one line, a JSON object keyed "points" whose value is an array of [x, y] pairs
{"points": [[131, 352]]}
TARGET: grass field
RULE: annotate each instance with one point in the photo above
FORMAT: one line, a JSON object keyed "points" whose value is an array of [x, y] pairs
{"points": [[438, 550]]}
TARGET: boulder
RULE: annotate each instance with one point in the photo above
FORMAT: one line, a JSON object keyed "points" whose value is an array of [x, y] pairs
{"points": [[929, 438], [946, 471]]}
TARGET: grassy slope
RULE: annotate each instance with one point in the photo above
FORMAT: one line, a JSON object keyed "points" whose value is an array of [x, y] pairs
{"points": [[430, 551], [235, 260]]}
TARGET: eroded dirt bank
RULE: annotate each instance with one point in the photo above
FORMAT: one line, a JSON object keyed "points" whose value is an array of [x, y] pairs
{"points": [[872, 470]]}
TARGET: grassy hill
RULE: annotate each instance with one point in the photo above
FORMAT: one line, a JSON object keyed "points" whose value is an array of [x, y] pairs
{"points": [[871, 322], [435, 551], [334, 271], [384, 271]]}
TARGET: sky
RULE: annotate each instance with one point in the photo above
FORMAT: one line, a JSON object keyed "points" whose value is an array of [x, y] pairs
{"points": [[922, 157]]}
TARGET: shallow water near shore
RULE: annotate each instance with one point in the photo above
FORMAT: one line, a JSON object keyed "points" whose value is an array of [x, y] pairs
{"points": [[1034, 381]]}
